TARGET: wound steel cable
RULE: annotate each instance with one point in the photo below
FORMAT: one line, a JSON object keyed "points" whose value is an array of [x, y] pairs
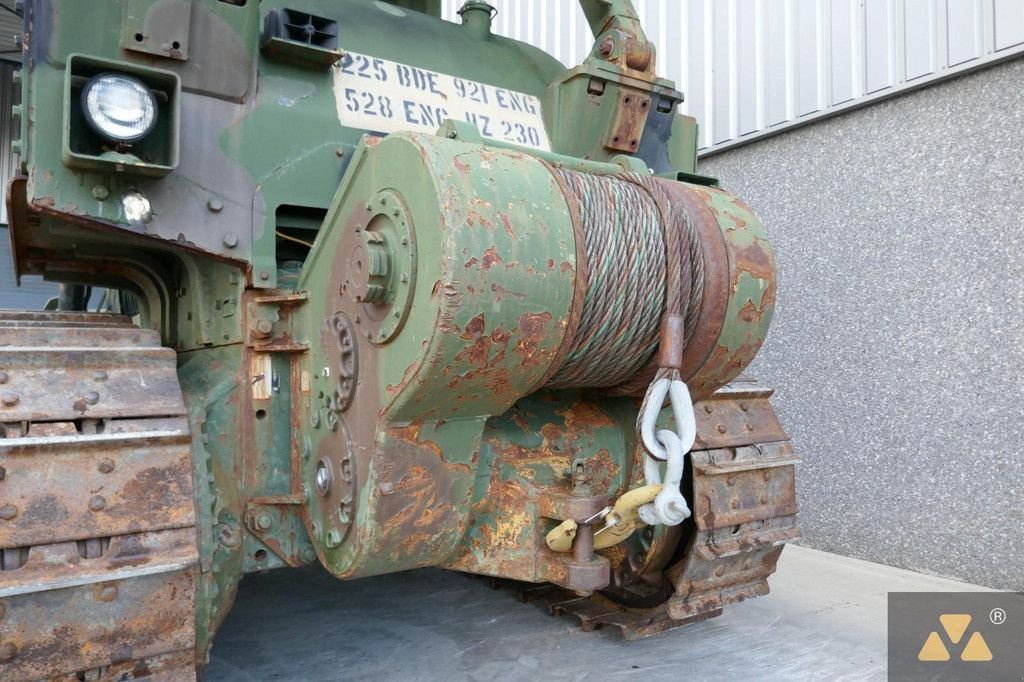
{"points": [[636, 273]]}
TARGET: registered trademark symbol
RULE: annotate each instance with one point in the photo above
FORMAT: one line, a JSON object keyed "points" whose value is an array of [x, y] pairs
{"points": [[997, 616]]}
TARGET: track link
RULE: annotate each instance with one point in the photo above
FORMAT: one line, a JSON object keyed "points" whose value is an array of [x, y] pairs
{"points": [[98, 545]]}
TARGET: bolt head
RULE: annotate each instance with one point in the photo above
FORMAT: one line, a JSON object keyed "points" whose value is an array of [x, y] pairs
{"points": [[99, 375], [264, 521], [9, 399], [100, 192], [8, 512], [215, 204], [230, 240], [106, 465], [333, 538], [308, 555], [263, 327], [322, 478], [97, 503], [91, 397]]}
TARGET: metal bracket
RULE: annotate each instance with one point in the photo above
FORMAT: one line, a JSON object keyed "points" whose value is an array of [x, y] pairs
{"points": [[275, 522]]}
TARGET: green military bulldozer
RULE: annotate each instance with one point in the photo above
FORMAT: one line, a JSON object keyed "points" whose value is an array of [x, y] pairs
{"points": [[384, 292]]}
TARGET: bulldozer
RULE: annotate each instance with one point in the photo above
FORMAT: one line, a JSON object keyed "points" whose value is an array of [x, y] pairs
{"points": [[382, 292]]}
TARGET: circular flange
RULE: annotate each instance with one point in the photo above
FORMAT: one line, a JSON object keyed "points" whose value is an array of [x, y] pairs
{"points": [[333, 486], [379, 255]]}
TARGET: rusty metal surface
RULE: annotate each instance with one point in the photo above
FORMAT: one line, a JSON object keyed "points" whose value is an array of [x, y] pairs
{"points": [[631, 112], [85, 485], [742, 492], [737, 414], [98, 546], [744, 507]]}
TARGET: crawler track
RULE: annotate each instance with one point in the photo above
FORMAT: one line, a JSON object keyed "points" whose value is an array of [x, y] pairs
{"points": [[97, 526]]}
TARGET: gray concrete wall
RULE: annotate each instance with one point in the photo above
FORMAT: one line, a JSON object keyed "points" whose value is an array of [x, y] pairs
{"points": [[898, 343]]}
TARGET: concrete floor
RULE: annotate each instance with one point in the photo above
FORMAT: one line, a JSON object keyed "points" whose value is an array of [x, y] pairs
{"points": [[824, 619]]}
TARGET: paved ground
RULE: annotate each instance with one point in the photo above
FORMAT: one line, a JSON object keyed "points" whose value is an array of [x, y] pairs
{"points": [[825, 619]]}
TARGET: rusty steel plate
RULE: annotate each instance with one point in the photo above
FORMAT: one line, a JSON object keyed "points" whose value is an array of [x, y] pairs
{"points": [[87, 626], [71, 487], [64, 564], [62, 384]]}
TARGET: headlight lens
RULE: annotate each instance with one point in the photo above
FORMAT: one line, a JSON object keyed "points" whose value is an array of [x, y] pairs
{"points": [[120, 108]]}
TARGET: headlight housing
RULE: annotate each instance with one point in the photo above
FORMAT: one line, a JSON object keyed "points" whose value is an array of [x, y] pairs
{"points": [[119, 108]]}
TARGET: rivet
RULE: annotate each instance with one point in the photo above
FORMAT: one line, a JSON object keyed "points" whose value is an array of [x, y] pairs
{"points": [[745, 407], [720, 570], [7, 652], [264, 276], [308, 555], [91, 398], [398, 314], [9, 399], [405, 241], [264, 521], [750, 427], [405, 277], [395, 212], [215, 204], [8, 512], [4, 377], [99, 375], [3, 473], [97, 503], [721, 428], [386, 487], [106, 465], [339, 152], [100, 192], [108, 593], [230, 240], [707, 408]]}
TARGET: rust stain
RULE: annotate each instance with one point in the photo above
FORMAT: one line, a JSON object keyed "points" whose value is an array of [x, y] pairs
{"points": [[490, 257]]}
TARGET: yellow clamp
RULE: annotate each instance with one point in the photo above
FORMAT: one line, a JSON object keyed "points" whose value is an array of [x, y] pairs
{"points": [[619, 521]]}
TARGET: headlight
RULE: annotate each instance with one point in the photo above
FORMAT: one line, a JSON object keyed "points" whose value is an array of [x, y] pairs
{"points": [[120, 108]]}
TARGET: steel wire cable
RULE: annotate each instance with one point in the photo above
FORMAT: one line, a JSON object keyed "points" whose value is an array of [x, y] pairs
{"points": [[636, 272]]}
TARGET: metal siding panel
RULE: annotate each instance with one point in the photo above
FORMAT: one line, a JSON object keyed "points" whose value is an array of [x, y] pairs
{"points": [[963, 37], [776, 63], [746, 67], [919, 32], [879, 54], [808, 57], [721, 71], [670, 49], [1008, 21], [841, 19], [698, 69]]}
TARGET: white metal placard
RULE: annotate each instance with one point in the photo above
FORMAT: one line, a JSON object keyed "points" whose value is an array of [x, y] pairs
{"points": [[384, 96]]}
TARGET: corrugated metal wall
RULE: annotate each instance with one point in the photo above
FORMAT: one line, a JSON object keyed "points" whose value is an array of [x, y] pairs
{"points": [[748, 67]]}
